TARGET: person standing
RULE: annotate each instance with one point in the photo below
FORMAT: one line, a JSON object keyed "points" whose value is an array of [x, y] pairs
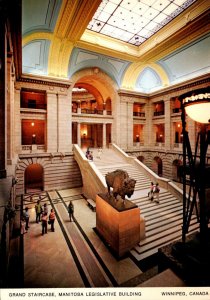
{"points": [[26, 217], [71, 210], [44, 223], [156, 193], [151, 191], [38, 209], [45, 209], [52, 219], [99, 153]]}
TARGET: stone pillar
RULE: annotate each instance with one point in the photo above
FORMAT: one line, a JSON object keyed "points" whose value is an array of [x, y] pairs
{"points": [[104, 135], [130, 125], [94, 134], [17, 125], [52, 120], [3, 73], [167, 124], [148, 129], [64, 123], [10, 111], [78, 134]]}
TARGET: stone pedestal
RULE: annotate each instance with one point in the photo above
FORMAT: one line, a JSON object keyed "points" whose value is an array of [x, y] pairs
{"points": [[118, 223]]}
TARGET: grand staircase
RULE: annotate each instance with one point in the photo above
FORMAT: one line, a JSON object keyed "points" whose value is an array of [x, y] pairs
{"points": [[163, 221]]}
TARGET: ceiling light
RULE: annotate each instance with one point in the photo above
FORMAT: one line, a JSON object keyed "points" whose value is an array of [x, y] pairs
{"points": [[197, 106]]}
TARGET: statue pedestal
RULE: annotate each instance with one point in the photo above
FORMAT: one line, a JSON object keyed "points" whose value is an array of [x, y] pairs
{"points": [[118, 223]]}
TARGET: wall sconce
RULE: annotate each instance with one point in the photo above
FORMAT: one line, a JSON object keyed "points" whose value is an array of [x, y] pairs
{"points": [[32, 124]]}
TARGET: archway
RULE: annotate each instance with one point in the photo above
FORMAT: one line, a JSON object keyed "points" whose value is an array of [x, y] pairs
{"points": [[34, 174], [158, 166], [141, 158], [94, 100], [177, 170]]}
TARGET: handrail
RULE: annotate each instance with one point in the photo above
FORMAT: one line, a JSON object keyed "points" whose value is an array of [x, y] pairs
{"points": [[93, 181], [163, 182]]}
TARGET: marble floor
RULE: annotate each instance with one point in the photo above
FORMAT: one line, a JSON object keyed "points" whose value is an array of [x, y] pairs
{"points": [[73, 255]]}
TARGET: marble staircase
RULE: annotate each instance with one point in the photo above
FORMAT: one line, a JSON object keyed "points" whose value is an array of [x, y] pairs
{"points": [[163, 221]]}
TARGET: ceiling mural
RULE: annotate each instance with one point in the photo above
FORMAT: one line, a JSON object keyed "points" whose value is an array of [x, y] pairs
{"points": [[154, 50]]}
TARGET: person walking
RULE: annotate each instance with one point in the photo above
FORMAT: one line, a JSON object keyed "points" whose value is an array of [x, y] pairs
{"points": [[44, 223], [156, 193], [45, 208], [52, 219], [151, 191], [99, 153], [38, 209], [71, 210], [26, 217]]}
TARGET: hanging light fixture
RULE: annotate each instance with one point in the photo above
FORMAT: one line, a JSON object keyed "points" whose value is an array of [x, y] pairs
{"points": [[197, 106]]}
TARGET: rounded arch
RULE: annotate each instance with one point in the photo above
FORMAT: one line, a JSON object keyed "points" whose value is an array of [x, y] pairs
{"points": [[99, 82], [141, 158], [135, 69], [34, 177], [157, 166], [176, 170]]}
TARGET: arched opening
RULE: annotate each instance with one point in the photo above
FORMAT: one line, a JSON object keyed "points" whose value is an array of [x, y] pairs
{"points": [[157, 166], [91, 109], [141, 158], [34, 178], [176, 170]]}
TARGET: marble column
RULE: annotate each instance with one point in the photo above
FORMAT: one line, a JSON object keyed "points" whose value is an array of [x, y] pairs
{"points": [[104, 135], [3, 75], [78, 134], [64, 123], [52, 120], [168, 124]]}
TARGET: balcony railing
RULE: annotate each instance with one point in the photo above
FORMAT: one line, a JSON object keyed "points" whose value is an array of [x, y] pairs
{"points": [[176, 110], [91, 111], [138, 114], [158, 113], [35, 106], [33, 148]]}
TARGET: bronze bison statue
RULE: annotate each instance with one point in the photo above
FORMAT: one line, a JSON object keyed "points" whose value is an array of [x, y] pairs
{"points": [[121, 183]]}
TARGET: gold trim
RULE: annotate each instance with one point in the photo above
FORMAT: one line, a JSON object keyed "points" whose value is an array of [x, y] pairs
{"points": [[73, 19], [135, 69], [37, 36]]}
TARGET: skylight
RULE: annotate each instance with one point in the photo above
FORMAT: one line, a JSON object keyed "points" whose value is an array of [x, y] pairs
{"points": [[134, 21]]}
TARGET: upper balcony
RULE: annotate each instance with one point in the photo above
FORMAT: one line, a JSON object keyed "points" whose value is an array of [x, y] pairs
{"points": [[138, 110], [33, 100], [158, 108]]}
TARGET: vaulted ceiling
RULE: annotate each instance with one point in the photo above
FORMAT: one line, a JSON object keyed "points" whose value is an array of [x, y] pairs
{"points": [[167, 42]]}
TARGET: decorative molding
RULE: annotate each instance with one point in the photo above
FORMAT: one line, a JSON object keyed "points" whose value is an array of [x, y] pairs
{"points": [[47, 81], [135, 69], [36, 36]]}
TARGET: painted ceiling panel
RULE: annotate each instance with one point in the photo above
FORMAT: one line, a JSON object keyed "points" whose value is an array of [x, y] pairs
{"points": [[190, 61], [148, 80], [35, 57], [81, 59], [39, 15]]}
